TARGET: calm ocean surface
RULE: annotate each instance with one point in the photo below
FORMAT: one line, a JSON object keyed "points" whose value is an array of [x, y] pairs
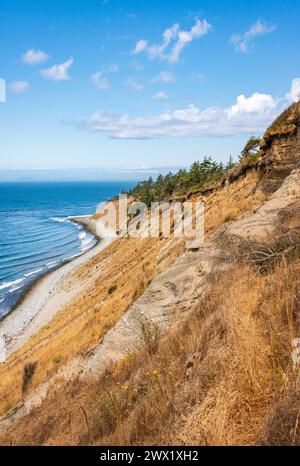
{"points": [[35, 233]]}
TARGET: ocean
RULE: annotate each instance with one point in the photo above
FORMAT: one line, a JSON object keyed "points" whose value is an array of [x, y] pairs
{"points": [[36, 234]]}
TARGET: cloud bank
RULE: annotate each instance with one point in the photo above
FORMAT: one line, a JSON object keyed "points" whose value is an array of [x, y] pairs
{"points": [[247, 115]]}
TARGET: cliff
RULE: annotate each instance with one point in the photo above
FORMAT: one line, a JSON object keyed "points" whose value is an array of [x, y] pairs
{"points": [[281, 148]]}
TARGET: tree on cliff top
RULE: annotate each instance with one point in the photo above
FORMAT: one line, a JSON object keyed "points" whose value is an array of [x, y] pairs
{"points": [[252, 147]]}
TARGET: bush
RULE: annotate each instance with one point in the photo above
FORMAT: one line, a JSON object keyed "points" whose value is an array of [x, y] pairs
{"points": [[29, 370], [57, 359], [112, 289]]}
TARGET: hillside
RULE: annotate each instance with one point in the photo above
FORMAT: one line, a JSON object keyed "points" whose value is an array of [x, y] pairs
{"points": [[155, 344]]}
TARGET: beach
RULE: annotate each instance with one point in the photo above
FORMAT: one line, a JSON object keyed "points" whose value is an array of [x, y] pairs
{"points": [[46, 296]]}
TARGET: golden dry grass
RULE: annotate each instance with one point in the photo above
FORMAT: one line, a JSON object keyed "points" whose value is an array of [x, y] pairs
{"points": [[222, 377], [80, 325], [110, 282], [231, 202]]}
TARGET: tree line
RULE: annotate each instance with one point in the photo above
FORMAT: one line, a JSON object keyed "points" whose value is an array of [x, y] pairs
{"points": [[196, 178]]}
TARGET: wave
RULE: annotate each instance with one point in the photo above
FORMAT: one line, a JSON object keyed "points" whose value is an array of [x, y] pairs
{"points": [[34, 272], [60, 219], [70, 217], [49, 265], [59, 251], [18, 263], [86, 243], [15, 288], [11, 284]]}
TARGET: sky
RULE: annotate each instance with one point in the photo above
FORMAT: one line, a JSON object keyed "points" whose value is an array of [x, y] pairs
{"points": [[137, 84]]}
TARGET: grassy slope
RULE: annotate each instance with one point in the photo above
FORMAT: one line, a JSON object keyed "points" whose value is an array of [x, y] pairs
{"points": [[79, 326], [223, 377]]}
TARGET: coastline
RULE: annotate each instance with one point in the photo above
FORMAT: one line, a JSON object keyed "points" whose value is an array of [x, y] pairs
{"points": [[87, 223], [44, 297]]}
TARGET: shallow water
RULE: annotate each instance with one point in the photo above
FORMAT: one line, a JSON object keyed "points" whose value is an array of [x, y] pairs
{"points": [[36, 234]]}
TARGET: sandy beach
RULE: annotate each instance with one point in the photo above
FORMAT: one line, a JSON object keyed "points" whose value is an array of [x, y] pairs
{"points": [[44, 299]]}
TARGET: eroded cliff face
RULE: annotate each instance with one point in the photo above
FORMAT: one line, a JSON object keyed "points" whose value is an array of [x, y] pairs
{"points": [[281, 149]]}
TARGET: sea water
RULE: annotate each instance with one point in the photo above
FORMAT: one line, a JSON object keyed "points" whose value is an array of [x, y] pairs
{"points": [[36, 232]]}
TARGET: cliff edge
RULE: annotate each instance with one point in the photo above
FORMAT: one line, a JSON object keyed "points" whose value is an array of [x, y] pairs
{"points": [[281, 148]]}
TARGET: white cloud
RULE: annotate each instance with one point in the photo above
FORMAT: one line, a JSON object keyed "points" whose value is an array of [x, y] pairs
{"points": [[136, 66], [173, 42], [58, 72], [18, 87], [247, 115], [133, 85], [164, 77], [160, 96], [113, 68], [34, 57], [99, 81], [140, 46], [294, 93], [243, 42], [257, 103]]}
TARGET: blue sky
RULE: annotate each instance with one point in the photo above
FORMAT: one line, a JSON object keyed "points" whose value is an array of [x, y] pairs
{"points": [[138, 83]]}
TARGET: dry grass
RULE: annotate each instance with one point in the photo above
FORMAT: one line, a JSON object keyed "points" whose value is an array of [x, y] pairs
{"points": [[262, 256], [217, 380], [284, 125], [222, 377], [106, 293], [80, 325], [231, 202]]}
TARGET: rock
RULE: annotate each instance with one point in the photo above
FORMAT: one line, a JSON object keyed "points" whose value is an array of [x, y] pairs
{"points": [[281, 210], [281, 149]]}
